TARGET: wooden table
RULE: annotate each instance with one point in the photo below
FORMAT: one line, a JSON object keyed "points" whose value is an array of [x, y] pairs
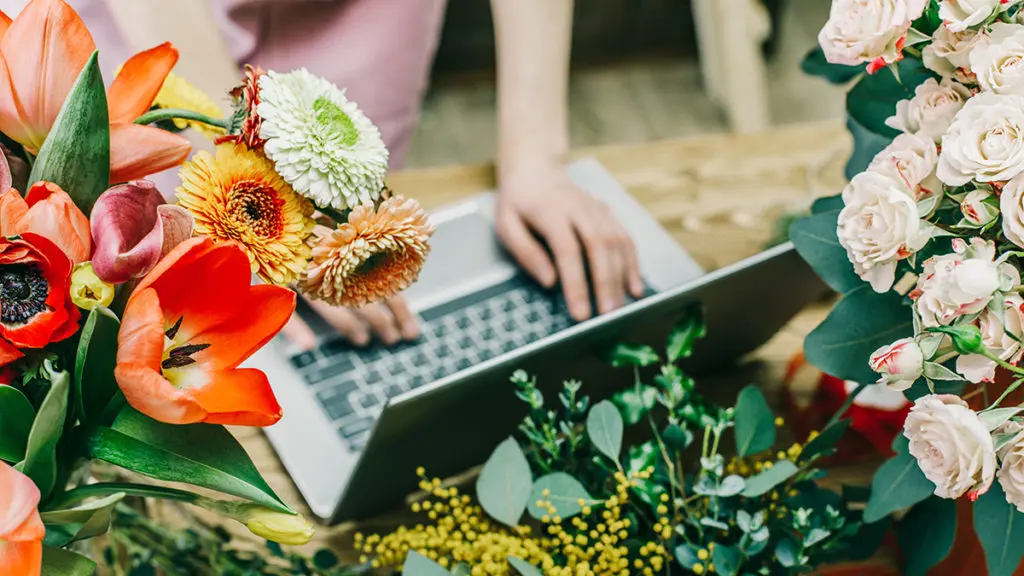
{"points": [[720, 196]]}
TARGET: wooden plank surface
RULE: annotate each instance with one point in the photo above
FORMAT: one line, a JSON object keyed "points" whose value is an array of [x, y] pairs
{"points": [[720, 196]]}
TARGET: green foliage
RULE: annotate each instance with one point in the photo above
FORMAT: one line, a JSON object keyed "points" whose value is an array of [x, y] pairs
{"points": [[76, 153], [815, 240], [897, 484], [769, 479], [57, 562], [523, 567], [504, 485], [94, 363], [633, 355], [873, 99], [40, 462], [815, 64], [866, 145], [825, 442], [926, 535], [1000, 528], [81, 522], [605, 428], [755, 423], [683, 337], [418, 565], [562, 492], [16, 417]]}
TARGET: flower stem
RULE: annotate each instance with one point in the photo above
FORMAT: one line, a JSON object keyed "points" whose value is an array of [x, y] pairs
{"points": [[107, 488], [1016, 384], [846, 405], [164, 114]]}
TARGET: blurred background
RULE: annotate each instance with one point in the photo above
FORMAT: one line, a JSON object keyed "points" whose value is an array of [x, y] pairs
{"points": [[636, 77]]}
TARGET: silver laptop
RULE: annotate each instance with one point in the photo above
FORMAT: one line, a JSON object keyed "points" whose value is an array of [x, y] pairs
{"points": [[358, 422]]}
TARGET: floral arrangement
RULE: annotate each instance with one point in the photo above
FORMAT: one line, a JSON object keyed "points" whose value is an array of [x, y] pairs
{"points": [[925, 245], [567, 495], [124, 319]]}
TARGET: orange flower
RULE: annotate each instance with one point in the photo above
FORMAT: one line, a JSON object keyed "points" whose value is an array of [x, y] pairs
{"points": [[41, 54], [188, 326], [48, 211], [21, 529], [373, 256]]}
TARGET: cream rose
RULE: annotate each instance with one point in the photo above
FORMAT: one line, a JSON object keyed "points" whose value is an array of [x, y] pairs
{"points": [[951, 444], [1001, 337], [899, 364], [985, 141], [1011, 471], [1011, 206], [960, 15], [978, 207], [961, 283], [999, 62], [871, 31], [879, 226], [932, 109], [949, 53], [911, 158]]}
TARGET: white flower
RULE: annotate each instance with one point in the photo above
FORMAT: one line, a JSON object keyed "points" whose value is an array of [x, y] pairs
{"points": [[911, 158], [985, 141], [949, 53], [961, 283], [951, 444], [932, 109], [978, 209], [319, 141], [879, 226], [960, 15], [999, 62], [1011, 472], [899, 364], [871, 31], [1011, 205], [1001, 337]]}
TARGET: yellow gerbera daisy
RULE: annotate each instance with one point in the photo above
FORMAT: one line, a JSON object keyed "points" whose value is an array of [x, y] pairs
{"points": [[179, 94], [236, 195]]}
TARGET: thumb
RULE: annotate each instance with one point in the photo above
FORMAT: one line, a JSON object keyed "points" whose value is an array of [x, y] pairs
{"points": [[299, 333]]}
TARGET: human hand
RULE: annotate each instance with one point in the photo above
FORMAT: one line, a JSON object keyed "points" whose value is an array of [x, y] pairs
{"points": [[574, 225], [390, 321]]}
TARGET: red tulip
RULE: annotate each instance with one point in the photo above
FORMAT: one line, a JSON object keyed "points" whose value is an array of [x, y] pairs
{"points": [[48, 211]]}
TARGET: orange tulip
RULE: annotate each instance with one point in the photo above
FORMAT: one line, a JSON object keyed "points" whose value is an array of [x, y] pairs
{"points": [[21, 529], [43, 50], [187, 327], [48, 211]]}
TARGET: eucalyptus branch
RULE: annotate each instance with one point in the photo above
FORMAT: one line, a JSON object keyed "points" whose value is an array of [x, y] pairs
{"points": [[846, 405]]}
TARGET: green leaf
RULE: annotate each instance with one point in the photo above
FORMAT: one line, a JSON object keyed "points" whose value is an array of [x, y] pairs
{"points": [[826, 440], [786, 553], [563, 492], [815, 64], [417, 564], [997, 417], [1000, 528], [898, 484], [462, 569], [814, 238], [82, 522], [727, 560], [41, 454], [523, 567], [866, 145], [103, 489], [94, 363], [827, 204], [766, 481], [684, 335], [873, 99], [504, 485], [686, 555], [755, 424], [677, 438], [862, 322], [325, 559], [926, 534], [76, 153], [605, 428], [633, 355], [16, 417], [198, 454], [731, 485], [57, 562], [634, 405]]}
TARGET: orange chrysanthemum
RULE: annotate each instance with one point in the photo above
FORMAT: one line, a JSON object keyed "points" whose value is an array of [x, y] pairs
{"points": [[373, 256], [247, 122], [237, 195]]}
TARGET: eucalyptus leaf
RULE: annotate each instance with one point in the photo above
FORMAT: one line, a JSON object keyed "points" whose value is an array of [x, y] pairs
{"points": [[684, 335], [563, 492], [828, 204], [686, 555], [866, 145], [744, 520], [57, 562], [826, 440], [897, 484], [40, 462], [996, 417], [755, 423], [1000, 528], [95, 360], [634, 403], [816, 64], [727, 560], [873, 99], [504, 485], [523, 567], [926, 534], [605, 428], [767, 480], [419, 565], [786, 553], [676, 437], [16, 418], [633, 355], [712, 523], [462, 569], [731, 485], [816, 241]]}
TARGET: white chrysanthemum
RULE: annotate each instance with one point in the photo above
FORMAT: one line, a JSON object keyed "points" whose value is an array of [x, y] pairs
{"points": [[320, 142]]}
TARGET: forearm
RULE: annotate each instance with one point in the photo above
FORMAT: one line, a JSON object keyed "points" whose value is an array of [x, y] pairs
{"points": [[533, 40]]}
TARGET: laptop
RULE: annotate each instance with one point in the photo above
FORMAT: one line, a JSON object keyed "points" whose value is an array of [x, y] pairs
{"points": [[358, 422]]}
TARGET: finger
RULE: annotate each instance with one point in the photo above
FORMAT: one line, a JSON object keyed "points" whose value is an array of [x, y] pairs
{"points": [[381, 322], [527, 251], [561, 238], [407, 321], [627, 249], [606, 271], [299, 333], [344, 321]]}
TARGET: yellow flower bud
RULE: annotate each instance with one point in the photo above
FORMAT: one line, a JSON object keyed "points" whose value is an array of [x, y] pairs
{"points": [[87, 290], [291, 530]]}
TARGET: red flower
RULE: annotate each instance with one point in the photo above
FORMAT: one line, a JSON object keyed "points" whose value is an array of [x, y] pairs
{"points": [[35, 306]]}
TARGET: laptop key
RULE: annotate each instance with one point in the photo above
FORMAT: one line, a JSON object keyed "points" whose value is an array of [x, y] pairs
{"points": [[303, 360], [328, 372]]}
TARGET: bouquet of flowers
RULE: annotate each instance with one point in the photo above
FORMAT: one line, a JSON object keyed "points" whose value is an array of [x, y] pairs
{"points": [[124, 319], [926, 245]]}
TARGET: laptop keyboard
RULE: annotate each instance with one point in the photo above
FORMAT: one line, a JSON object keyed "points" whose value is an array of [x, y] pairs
{"points": [[353, 384]]}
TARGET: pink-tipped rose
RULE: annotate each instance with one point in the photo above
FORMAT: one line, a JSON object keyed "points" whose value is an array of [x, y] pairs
{"points": [[899, 364], [132, 229], [48, 211]]}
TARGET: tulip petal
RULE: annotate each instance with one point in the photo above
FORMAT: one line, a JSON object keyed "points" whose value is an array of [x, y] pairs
{"points": [[8, 353], [5, 23], [139, 81], [13, 117], [178, 224], [138, 151], [21, 558], [240, 397], [6, 179], [127, 231], [45, 49], [237, 338], [13, 211], [53, 215], [19, 498]]}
